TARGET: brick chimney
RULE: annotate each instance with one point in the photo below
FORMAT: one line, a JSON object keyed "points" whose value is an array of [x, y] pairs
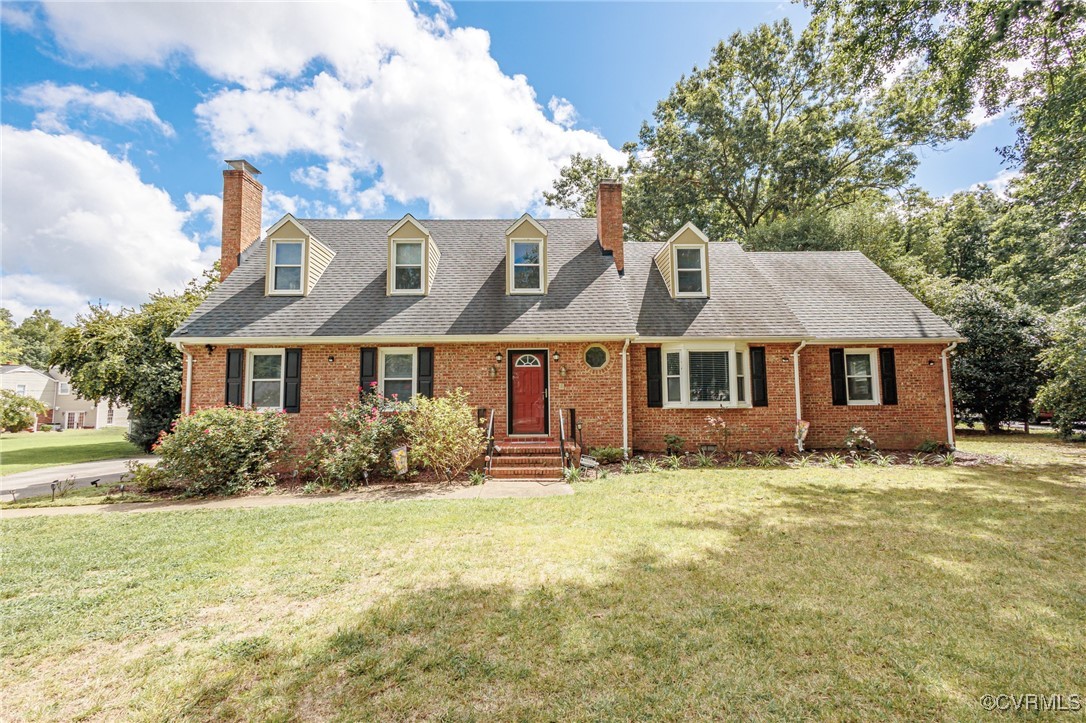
{"points": [[609, 219], [242, 196]]}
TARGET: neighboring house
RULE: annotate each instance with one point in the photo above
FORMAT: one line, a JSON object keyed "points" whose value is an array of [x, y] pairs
{"points": [[560, 322], [66, 408]]}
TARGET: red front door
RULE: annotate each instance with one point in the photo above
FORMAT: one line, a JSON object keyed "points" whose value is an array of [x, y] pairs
{"points": [[528, 403]]}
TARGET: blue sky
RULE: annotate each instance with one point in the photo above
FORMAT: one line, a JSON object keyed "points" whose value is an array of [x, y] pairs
{"points": [[356, 110]]}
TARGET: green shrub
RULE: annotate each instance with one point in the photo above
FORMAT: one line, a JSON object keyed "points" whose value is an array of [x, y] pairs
{"points": [[928, 446], [674, 443], [146, 477], [673, 461], [705, 461], [222, 451], [607, 455], [857, 438], [358, 441], [18, 412], [476, 477], [444, 434]]}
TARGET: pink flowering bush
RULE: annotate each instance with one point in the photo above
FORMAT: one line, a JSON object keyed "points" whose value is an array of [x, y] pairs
{"points": [[222, 451], [358, 440]]}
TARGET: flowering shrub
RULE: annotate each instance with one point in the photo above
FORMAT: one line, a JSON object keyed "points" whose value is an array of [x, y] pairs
{"points": [[222, 451], [444, 434], [858, 439], [359, 440]]}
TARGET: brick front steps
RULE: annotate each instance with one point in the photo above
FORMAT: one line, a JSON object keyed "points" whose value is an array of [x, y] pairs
{"points": [[516, 459]]}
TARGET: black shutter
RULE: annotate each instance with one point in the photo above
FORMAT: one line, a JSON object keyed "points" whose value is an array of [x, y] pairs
{"points": [[292, 381], [888, 371], [235, 376], [654, 376], [367, 370], [425, 382], [759, 393], [837, 377]]}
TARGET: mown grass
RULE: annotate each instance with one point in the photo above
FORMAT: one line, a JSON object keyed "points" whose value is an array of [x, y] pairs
{"points": [[79, 497], [31, 450], [901, 593]]}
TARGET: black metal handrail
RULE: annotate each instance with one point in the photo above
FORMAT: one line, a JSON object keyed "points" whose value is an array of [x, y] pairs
{"points": [[490, 443], [562, 437]]}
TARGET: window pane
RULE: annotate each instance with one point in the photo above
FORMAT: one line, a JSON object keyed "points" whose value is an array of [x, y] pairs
{"points": [[398, 366], [689, 282], [265, 394], [688, 258], [288, 278], [408, 278], [526, 277], [858, 365], [859, 389], [525, 253], [409, 254], [709, 376], [402, 389], [674, 393], [673, 364], [288, 253], [740, 378], [267, 366], [595, 357]]}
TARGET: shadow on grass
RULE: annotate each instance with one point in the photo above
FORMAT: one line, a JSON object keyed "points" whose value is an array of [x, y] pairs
{"points": [[893, 602]]}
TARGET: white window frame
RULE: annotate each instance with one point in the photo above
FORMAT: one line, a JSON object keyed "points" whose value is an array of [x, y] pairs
{"points": [[20, 390], [250, 353], [704, 276], [396, 350], [422, 277], [684, 350], [272, 266], [873, 356], [513, 266], [64, 388]]}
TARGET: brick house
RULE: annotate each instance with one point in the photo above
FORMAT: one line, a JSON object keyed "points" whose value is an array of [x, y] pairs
{"points": [[557, 323]]}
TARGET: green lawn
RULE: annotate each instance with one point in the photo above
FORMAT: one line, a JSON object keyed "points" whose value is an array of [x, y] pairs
{"points": [[30, 450], [903, 594]]}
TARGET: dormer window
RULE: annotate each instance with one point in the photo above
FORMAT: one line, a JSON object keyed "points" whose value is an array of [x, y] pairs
{"points": [[690, 270], [528, 266], [412, 258], [296, 259], [526, 257], [287, 266], [683, 263], [407, 263]]}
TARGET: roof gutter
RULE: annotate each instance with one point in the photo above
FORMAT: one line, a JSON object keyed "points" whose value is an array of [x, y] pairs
{"points": [[946, 395], [385, 340]]}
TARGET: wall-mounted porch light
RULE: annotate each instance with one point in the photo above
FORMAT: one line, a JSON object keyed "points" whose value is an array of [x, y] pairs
{"points": [[498, 358], [331, 358], [210, 349], [556, 356]]}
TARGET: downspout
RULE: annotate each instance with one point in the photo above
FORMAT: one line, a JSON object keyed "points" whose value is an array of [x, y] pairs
{"points": [[188, 378], [625, 404], [795, 379], [946, 395]]}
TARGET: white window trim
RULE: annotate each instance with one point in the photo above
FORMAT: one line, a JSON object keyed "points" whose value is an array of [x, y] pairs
{"points": [[684, 375], [675, 269], [422, 279], [513, 266], [64, 389], [875, 379], [272, 291], [249, 354], [414, 352], [20, 389]]}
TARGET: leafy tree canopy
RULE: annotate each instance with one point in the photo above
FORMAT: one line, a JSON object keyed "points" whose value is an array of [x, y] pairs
{"points": [[39, 334]]}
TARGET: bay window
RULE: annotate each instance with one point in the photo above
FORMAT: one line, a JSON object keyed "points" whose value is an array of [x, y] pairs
{"points": [[704, 375]]}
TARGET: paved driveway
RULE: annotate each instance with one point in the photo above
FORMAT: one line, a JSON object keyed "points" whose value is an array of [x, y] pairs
{"points": [[36, 482]]}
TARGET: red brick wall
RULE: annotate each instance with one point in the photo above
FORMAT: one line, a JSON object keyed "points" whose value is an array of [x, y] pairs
{"points": [[241, 222], [765, 427], [596, 394], [919, 415], [609, 219]]}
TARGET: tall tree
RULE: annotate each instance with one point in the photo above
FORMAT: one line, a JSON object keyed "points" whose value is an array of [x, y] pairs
{"points": [[11, 350], [39, 335], [123, 356]]}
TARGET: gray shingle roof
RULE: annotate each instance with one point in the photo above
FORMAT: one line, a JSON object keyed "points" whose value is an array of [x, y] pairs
{"points": [[467, 297], [827, 295]]}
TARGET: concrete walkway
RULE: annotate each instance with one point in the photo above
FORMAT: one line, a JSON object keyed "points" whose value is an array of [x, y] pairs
{"points": [[491, 489], [36, 481]]}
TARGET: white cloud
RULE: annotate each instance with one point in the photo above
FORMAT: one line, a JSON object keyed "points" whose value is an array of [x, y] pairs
{"points": [[79, 225], [403, 107], [978, 116], [1001, 184], [55, 103], [562, 111], [16, 17], [209, 207]]}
